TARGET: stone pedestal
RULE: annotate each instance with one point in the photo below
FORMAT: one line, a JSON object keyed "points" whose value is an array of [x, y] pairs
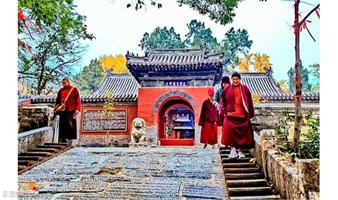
{"points": [[139, 144]]}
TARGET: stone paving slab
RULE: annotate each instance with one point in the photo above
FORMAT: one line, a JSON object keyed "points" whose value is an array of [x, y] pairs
{"points": [[128, 173], [213, 192]]}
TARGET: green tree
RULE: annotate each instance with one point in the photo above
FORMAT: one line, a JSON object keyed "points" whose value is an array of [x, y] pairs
{"points": [[53, 42], [89, 77], [54, 56], [199, 36], [45, 13], [316, 73], [161, 38], [219, 11], [306, 85], [234, 44]]}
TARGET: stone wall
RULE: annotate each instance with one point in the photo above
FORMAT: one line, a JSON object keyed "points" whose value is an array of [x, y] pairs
{"points": [[268, 114], [298, 180], [34, 116], [31, 139], [103, 140]]}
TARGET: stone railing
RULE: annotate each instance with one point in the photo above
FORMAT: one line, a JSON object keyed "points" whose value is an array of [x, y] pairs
{"points": [[31, 139], [298, 180], [39, 136]]}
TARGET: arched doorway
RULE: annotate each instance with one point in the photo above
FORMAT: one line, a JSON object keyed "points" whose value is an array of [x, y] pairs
{"points": [[176, 122]]}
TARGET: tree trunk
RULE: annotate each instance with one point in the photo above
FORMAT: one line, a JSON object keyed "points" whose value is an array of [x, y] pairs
{"points": [[298, 94]]}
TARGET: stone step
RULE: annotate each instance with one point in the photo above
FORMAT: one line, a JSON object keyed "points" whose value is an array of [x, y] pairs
{"points": [[224, 148], [242, 170], [227, 151], [26, 162], [265, 197], [246, 182], [225, 155], [242, 175], [51, 149], [235, 160], [36, 153], [38, 158], [21, 167], [60, 143], [238, 165], [52, 146], [43, 150], [247, 191]]}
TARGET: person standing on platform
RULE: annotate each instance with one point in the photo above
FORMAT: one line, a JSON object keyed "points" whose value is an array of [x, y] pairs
{"points": [[68, 106], [238, 107], [209, 120]]}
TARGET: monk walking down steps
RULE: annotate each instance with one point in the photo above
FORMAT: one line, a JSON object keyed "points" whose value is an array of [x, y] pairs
{"points": [[238, 106]]}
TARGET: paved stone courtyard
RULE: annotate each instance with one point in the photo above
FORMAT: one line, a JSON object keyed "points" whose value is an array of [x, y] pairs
{"points": [[127, 173]]}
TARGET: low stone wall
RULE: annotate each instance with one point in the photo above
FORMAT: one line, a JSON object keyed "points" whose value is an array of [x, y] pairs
{"points": [[103, 140], [292, 181], [34, 116], [268, 114], [31, 139]]}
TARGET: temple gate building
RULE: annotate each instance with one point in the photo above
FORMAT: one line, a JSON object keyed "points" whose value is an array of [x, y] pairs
{"points": [[167, 88]]}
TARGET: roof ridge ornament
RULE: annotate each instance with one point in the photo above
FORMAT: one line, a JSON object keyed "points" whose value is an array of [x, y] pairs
{"points": [[268, 72], [205, 50]]}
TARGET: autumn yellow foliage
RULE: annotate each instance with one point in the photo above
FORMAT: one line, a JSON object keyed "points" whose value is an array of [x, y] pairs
{"points": [[245, 63], [283, 87], [255, 98], [255, 60], [117, 63], [261, 62]]}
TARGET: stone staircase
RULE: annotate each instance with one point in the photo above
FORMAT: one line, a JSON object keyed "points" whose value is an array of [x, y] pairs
{"points": [[244, 179], [40, 154]]}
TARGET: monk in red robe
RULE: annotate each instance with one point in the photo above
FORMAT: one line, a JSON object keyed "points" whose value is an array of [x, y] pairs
{"points": [[238, 106], [209, 120], [67, 128]]}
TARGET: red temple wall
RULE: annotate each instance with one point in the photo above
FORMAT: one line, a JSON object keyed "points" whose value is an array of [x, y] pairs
{"points": [[150, 100]]}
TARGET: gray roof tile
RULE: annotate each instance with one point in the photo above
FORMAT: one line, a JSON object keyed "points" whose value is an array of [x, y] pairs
{"points": [[264, 85]]}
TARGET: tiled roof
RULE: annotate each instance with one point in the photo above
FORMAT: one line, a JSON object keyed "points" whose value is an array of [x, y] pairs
{"points": [[124, 87], [176, 63], [42, 98], [264, 85], [179, 57]]}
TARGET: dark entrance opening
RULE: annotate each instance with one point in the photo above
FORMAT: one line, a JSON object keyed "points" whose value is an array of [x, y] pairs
{"points": [[176, 123]]}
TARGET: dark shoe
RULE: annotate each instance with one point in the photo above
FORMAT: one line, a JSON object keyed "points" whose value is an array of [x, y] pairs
{"points": [[205, 146]]}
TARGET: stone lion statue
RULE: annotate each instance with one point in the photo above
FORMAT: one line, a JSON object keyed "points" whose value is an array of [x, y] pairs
{"points": [[138, 131]]}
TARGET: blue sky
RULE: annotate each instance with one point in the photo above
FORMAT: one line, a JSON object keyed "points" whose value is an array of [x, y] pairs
{"points": [[119, 29]]}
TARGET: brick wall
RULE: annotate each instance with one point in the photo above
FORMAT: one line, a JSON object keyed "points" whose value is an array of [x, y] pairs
{"points": [[34, 116]]}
